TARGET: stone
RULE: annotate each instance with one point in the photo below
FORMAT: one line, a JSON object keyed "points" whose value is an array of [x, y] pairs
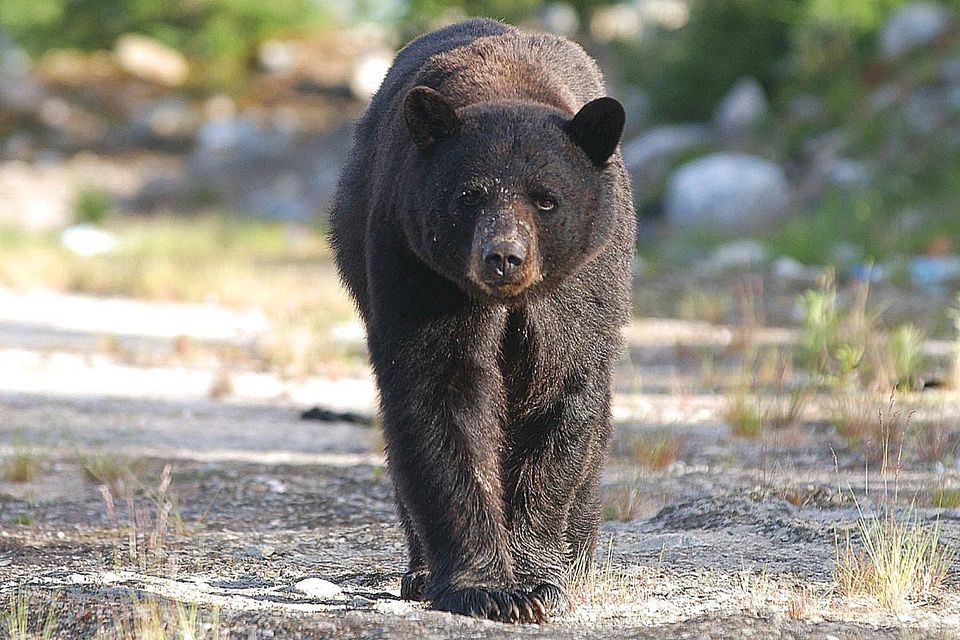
{"points": [[560, 18], [368, 73], [87, 240], [734, 192], [934, 271], [849, 175], [318, 588], [742, 110], [650, 156], [169, 120], [150, 60], [615, 22], [277, 56], [741, 254], [787, 269], [21, 93], [911, 27]]}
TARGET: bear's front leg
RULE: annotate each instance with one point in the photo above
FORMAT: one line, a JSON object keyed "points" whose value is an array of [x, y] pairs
{"points": [[442, 402], [553, 467]]}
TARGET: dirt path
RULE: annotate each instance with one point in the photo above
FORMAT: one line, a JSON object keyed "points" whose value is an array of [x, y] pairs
{"points": [[733, 538]]}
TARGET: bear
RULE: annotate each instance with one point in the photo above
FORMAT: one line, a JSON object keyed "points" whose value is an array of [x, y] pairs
{"points": [[484, 226]]}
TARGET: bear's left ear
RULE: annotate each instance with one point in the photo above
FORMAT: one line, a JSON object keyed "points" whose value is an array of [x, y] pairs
{"points": [[597, 128], [429, 116]]}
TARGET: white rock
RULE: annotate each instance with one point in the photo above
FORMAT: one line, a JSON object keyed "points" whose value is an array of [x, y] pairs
{"points": [[742, 109], [151, 60], [318, 588], [734, 192], [849, 175], [559, 18], [738, 255], [911, 27], [277, 56], [368, 73], [786, 268], [616, 22], [87, 240], [169, 119]]}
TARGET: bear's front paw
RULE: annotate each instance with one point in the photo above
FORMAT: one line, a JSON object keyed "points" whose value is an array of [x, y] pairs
{"points": [[552, 598], [412, 584], [493, 604]]}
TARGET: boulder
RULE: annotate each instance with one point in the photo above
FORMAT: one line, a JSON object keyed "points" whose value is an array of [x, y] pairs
{"points": [[731, 191], [650, 156], [911, 27], [742, 110]]}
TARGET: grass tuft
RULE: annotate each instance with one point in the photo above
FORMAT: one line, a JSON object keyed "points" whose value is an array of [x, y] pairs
{"points": [[656, 449], [900, 559], [605, 583], [152, 618], [22, 465], [17, 618]]}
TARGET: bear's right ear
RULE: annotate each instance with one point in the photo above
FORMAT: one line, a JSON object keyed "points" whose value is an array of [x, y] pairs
{"points": [[429, 116]]}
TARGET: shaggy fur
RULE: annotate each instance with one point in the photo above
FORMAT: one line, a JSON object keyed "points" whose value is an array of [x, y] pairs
{"points": [[484, 225]]}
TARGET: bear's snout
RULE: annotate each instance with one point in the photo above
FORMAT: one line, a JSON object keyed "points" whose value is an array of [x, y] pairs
{"points": [[504, 253], [502, 261]]}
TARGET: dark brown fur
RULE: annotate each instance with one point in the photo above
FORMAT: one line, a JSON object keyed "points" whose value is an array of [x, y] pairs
{"points": [[484, 226]]}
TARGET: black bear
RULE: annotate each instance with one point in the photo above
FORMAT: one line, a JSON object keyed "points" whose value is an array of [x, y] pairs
{"points": [[485, 227]]}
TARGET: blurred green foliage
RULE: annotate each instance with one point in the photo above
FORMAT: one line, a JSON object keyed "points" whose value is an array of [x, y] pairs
{"points": [[509, 10], [788, 45], [219, 34], [685, 71]]}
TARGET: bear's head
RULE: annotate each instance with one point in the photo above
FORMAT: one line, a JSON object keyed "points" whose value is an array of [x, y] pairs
{"points": [[508, 197]]}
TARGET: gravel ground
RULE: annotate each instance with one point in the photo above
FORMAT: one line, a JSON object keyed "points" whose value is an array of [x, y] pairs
{"points": [[149, 493]]}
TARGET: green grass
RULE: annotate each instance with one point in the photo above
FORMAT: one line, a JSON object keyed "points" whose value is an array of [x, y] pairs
{"points": [[743, 416], [945, 498]]}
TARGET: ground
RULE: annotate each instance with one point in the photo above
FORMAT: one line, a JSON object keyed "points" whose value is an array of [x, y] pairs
{"points": [[156, 477]]}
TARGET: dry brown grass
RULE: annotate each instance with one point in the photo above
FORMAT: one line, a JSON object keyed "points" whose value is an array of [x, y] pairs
{"points": [[607, 583], [284, 271], [898, 559], [149, 617], [629, 501], [22, 465], [656, 449], [20, 621]]}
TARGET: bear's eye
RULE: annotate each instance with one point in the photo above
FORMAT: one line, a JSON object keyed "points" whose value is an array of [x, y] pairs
{"points": [[471, 197], [545, 202]]}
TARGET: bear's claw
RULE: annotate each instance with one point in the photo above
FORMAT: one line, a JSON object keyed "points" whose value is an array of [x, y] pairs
{"points": [[413, 583], [493, 604]]}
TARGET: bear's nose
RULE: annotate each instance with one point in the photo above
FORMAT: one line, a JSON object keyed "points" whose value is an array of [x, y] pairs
{"points": [[505, 258]]}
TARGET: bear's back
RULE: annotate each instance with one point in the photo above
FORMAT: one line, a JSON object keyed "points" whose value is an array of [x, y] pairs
{"points": [[483, 60]]}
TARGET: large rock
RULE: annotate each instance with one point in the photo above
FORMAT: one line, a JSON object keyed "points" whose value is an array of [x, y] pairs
{"points": [[650, 156], [734, 192], [912, 27], [742, 110]]}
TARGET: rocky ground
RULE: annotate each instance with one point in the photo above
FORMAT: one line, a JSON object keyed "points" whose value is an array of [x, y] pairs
{"points": [[145, 492]]}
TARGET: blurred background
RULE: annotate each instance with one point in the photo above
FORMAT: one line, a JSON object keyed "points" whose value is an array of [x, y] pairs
{"points": [[188, 151]]}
